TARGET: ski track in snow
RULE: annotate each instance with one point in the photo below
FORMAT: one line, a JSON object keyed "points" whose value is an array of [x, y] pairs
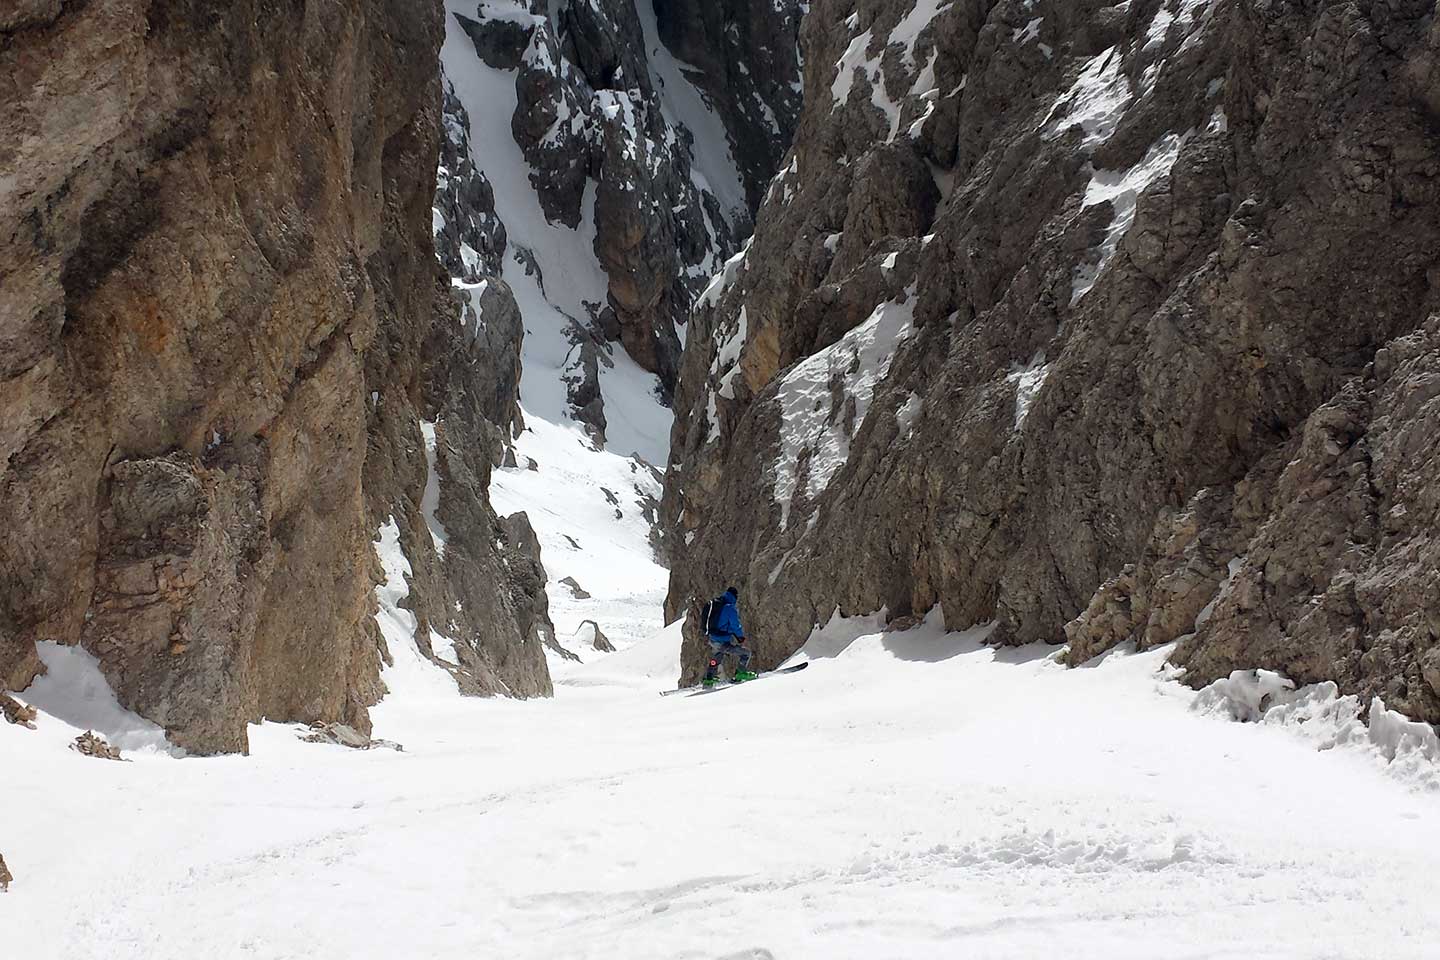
{"points": [[910, 795]]}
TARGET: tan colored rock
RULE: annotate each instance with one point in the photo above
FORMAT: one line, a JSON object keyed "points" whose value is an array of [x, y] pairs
{"points": [[92, 745], [222, 323], [5, 877], [16, 712], [343, 735]]}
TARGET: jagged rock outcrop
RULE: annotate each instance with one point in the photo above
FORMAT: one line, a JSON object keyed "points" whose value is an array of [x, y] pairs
{"points": [[746, 57], [220, 291], [16, 712], [470, 239], [600, 115], [1089, 321], [590, 635]]}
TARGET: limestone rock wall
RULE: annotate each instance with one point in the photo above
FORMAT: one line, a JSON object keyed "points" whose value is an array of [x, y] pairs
{"points": [[1107, 322], [219, 294]]}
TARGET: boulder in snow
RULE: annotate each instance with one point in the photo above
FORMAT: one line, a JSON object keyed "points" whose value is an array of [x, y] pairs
{"points": [[591, 635], [344, 735], [16, 712], [91, 745], [576, 591]]}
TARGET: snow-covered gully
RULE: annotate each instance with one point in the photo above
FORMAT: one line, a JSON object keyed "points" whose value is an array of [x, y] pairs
{"points": [[910, 795]]}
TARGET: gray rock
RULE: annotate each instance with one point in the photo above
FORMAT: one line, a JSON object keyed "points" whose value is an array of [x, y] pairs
{"points": [[342, 735], [1089, 460], [591, 635], [576, 591]]}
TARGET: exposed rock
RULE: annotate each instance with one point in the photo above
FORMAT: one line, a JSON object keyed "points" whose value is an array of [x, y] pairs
{"points": [[590, 634], [346, 736], [575, 589], [215, 350], [591, 116], [6, 878], [91, 745], [491, 321], [470, 239], [1342, 580], [1122, 338], [16, 712], [582, 384], [746, 56], [553, 645]]}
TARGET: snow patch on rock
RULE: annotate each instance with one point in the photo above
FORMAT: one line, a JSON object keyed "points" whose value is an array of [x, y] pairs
{"points": [[815, 420], [1122, 188]]}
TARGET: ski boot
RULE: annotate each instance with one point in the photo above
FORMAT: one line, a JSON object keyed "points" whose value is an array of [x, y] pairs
{"points": [[742, 675], [710, 682]]}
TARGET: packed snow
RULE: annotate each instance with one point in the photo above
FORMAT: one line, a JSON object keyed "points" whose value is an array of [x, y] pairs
{"points": [[912, 794], [75, 692]]}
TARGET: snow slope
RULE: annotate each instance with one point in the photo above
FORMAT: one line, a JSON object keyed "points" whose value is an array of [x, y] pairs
{"points": [[910, 795], [565, 496], [588, 508]]}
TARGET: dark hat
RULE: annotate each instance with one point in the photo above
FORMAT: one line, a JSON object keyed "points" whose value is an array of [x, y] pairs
{"points": [[733, 592]]}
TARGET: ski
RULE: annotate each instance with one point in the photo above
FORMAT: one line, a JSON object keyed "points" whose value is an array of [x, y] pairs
{"points": [[701, 691]]}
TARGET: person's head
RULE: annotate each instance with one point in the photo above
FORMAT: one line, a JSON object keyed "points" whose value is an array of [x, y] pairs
{"points": [[733, 594]]}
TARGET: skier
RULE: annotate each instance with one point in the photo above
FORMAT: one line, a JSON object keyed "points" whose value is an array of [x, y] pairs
{"points": [[727, 636]]}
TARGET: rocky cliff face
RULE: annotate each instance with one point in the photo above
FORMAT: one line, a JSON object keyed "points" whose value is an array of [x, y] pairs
{"points": [[650, 164], [1110, 323], [226, 359]]}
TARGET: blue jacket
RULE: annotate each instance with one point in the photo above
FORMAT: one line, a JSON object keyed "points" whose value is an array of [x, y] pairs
{"points": [[727, 623]]}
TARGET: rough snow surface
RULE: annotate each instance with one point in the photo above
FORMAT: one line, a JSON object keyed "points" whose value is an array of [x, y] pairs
{"points": [[727, 356], [430, 499], [909, 410], [911, 795], [1405, 749], [410, 672], [811, 422], [723, 279], [683, 103]]}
